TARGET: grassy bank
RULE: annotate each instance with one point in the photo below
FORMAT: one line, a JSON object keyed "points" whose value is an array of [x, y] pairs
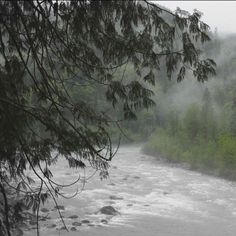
{"points": [[216, 156]]}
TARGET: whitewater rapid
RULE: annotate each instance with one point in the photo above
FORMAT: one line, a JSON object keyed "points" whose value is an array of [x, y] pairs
{"points": [[152, 198]]}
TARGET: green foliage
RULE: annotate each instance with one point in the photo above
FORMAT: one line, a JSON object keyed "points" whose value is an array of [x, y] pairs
{"points": [[192, 122], [201, 134], [63, 83], [227, 149]]}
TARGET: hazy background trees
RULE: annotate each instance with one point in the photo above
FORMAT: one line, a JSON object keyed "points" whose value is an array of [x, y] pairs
{"points": [[199, 128], [64, 85]]}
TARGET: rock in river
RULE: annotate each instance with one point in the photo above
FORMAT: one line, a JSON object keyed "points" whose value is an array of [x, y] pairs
{"points": [[73, 229], [44, 210], [59, 207], [113, 197], [76, 224], [108, 210], [136, 177], [52, 226], [73, 217], [104, 221], [85, 221]]}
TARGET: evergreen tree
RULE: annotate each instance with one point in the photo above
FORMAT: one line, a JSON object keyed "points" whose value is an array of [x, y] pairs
{"points": [[46, 45], [232, 124], [207, 117], [192, 123]]}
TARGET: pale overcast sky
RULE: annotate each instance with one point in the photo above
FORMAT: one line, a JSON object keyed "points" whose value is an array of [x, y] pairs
{"points": [[220, 14]]}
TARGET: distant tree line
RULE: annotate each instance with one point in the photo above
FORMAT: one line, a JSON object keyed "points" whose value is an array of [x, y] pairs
{"points": [[204, 134], [56, 59]]}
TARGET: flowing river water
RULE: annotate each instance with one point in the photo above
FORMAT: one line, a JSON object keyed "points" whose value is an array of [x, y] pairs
{"points": [[152, 198]]}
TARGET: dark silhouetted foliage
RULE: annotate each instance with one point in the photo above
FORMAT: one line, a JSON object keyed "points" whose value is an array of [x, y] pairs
{"points": [[45, 46]]}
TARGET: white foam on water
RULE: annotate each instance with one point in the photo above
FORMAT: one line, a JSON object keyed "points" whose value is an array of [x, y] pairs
{"points": [[234, 213], [200, 188], [96, 191], [221, 202], [160, 191], [156, 204], [124, 221]]}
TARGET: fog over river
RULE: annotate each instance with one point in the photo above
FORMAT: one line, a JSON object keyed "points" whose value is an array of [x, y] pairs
{"points": [[152, 198]]}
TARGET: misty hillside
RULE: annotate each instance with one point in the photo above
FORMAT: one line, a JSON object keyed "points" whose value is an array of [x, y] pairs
{"points": [[106, 108], [199, 119]]}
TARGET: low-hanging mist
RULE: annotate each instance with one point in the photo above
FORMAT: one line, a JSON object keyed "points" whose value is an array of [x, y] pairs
{"points": [[196, 122]]}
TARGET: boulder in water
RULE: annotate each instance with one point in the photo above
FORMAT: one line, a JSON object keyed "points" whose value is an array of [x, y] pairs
{"points": [[108, 210], [136, 177], [73, 229], [104, 221], [59, 207], [33, 222], [113, 197], [52, 226], [44, 210], [91, 225], [73, 217], [85, 221], [76, 224]]}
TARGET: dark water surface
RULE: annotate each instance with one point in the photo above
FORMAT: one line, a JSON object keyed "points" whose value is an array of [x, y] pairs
{"points": [[151, 197]]}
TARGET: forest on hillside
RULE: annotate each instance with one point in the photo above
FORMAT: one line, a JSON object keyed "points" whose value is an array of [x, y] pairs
{"points": [[78, 78], [191, 122], [196, 123]]}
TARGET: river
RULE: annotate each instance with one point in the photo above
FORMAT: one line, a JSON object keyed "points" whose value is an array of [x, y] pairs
{"points": [[152, 198]]}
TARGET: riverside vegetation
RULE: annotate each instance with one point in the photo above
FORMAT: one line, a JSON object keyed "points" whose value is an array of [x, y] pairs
{"points": [[191, 122], [196, 124], [72, 71]]}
